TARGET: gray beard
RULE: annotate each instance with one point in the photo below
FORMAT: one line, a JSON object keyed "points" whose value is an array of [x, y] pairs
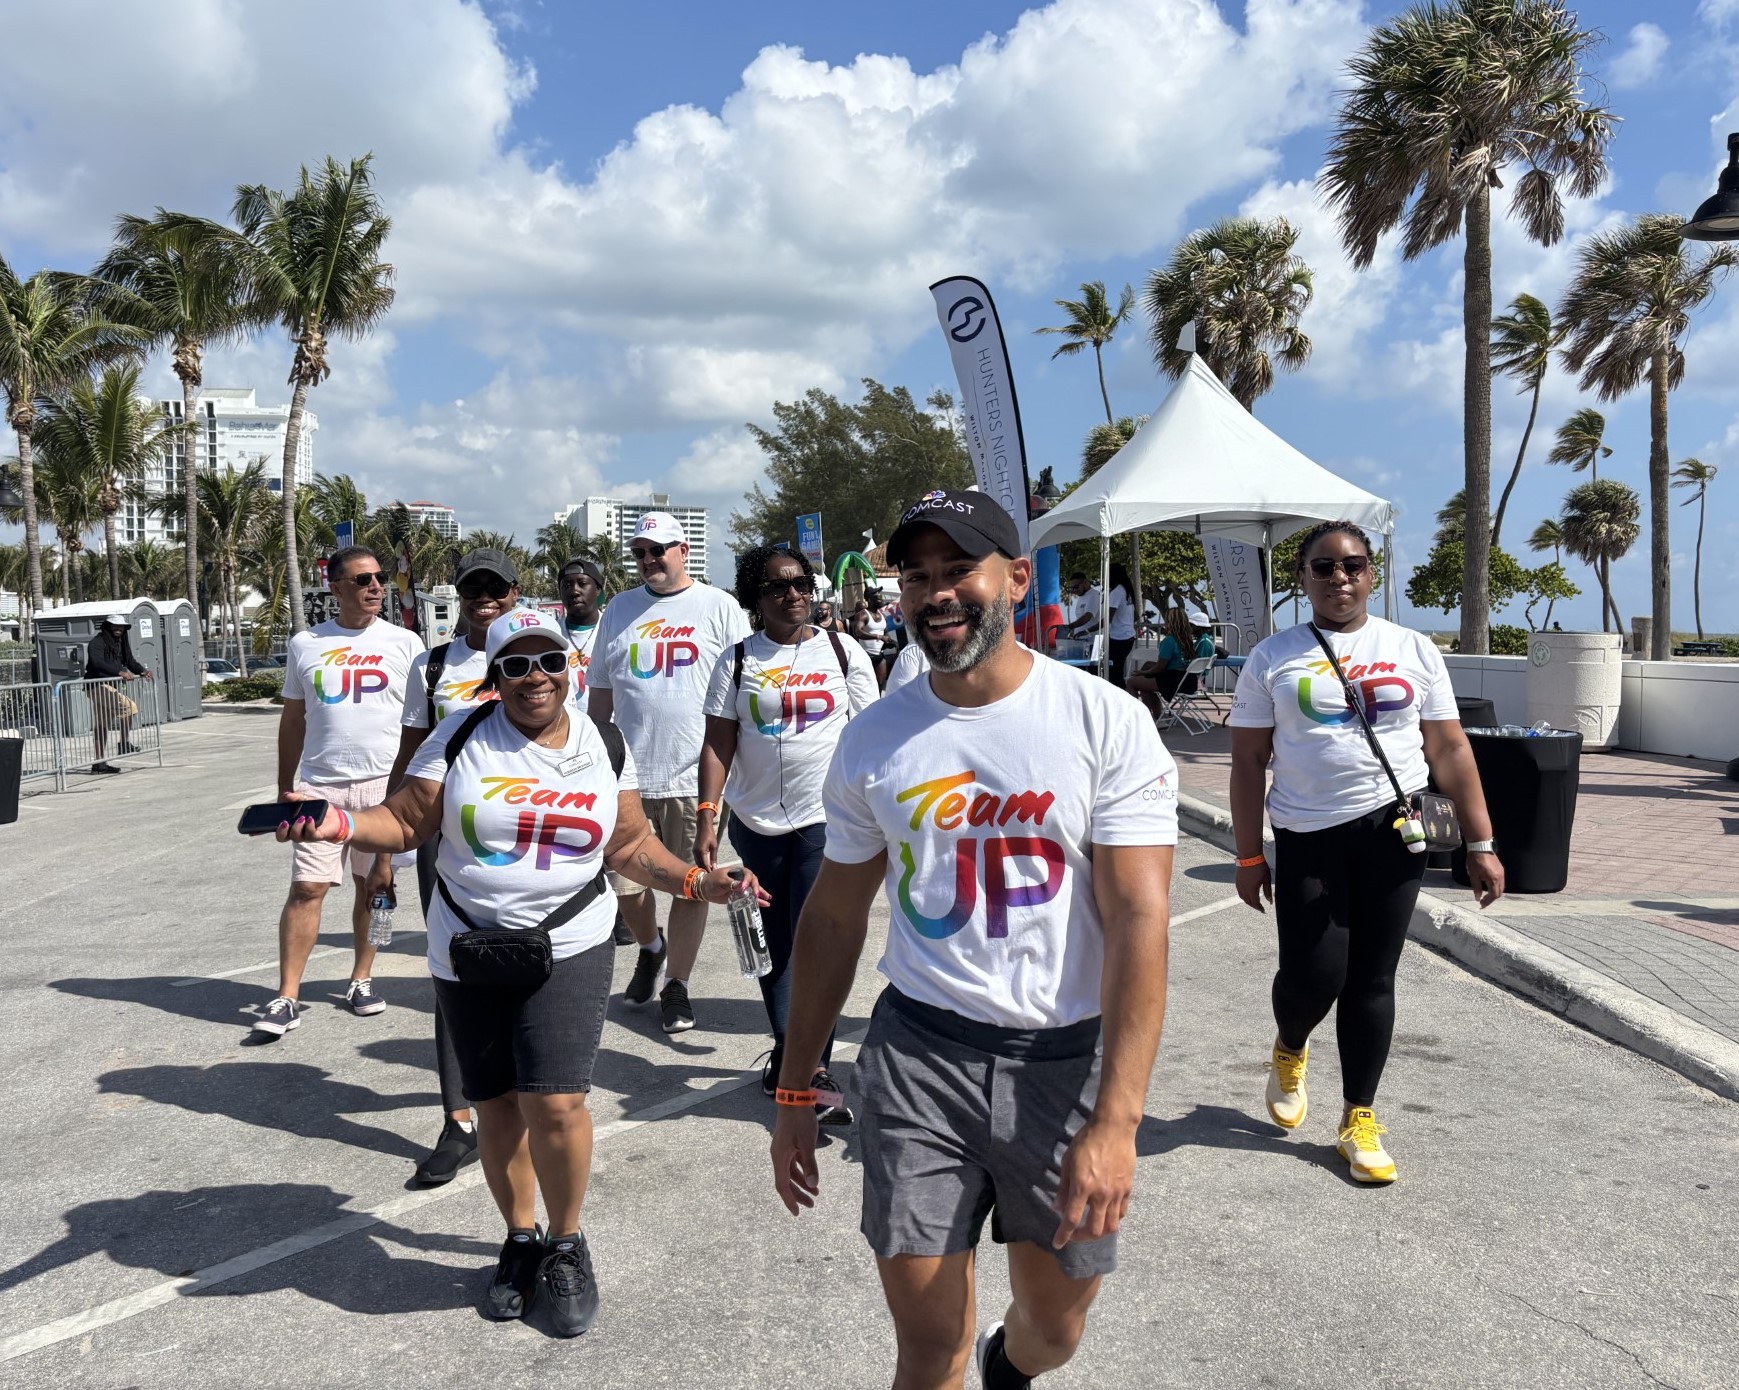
{"points": [[983, 635]]}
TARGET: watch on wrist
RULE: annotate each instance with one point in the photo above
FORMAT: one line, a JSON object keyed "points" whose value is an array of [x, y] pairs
{"points": [[1482, 846]]}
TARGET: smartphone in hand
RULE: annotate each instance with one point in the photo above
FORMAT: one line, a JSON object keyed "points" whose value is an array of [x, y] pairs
{"points": [[265, 818]]}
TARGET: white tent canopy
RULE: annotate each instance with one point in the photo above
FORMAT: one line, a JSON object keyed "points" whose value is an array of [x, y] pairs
{"points": [[1205, 464]]}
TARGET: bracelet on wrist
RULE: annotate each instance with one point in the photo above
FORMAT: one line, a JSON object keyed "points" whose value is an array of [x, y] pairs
{"points": [[347, 827], [1251, 861], [797, 1100], [691, 882], [711, 806]]}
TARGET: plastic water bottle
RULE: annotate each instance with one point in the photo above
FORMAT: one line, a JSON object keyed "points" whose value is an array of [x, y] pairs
{"points": [[753, 957], [380, 909], [1539, 730]]}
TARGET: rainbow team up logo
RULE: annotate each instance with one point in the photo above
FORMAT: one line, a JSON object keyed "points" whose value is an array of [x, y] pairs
{"points": [[659, 649], [346, 675], [1379, 686], [948, 806], [803, 701], [539, 824]]}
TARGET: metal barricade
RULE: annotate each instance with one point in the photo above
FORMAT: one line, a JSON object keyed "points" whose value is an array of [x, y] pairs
{"points": [[114, 717], [27, 712]]}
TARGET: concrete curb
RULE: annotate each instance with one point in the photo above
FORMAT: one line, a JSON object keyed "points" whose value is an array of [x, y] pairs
{"points": [[1543, 976]]}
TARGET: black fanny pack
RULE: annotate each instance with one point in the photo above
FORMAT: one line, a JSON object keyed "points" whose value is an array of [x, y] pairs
{"points": [[511, 958]]}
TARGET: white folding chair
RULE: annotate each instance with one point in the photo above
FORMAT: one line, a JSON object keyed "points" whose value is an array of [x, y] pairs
{"points": [[1187, 702]]}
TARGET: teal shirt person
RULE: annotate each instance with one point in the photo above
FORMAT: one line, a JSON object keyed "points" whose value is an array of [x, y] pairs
{"points": [[1172, 657]]}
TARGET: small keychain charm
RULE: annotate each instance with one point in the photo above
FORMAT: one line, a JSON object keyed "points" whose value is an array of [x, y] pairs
{"points": [[1412, 833]]}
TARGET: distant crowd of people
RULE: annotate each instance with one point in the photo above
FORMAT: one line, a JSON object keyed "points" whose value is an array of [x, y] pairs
{"points": [[552, 777]]}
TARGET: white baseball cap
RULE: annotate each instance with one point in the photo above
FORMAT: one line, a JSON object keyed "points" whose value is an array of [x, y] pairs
{"points": [[117, 620], [1196, 618], [521, 622], [661, 528]]}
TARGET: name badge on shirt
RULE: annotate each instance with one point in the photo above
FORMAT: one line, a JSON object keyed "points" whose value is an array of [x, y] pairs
{"points": [[578, 763]]}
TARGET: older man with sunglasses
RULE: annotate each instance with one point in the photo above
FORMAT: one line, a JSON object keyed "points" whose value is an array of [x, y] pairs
{"points": [[344, 694], [651, 661]]}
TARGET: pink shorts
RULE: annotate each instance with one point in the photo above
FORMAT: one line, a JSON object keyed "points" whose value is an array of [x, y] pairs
{"points": [[325, 863]]}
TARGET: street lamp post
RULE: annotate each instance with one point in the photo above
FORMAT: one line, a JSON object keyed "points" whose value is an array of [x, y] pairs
{"points": [[1718, 218]]}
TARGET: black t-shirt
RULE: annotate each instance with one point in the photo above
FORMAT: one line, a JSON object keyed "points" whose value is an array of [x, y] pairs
{"points": [[108, 656]]}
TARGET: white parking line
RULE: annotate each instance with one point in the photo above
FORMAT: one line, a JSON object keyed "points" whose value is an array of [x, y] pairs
{"points": [[269, 791], [1196, 912], [271, 964], [120, 1309]]}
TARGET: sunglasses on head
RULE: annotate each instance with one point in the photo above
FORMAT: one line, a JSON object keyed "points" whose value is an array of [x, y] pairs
{"points": [[1324, 566], [651, 550], [365, 581], [801, 584], [518, 667], [484, 586]]}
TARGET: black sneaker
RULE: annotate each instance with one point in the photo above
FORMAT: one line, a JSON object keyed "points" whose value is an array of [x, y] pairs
{"points": [[281, 1015], [568, 1287], [673, 1004], [620, 933], [647, 969], [514, 1286], [770, 1071], [126, 747], [104, 767], [989, 1344], [453, 1150], [828, 1112]]}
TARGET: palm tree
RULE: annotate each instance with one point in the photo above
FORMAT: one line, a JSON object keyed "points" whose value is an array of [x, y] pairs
{"points": [[231, 513], [1521, 347], [1452, 519], [1548, 535], [1626, 313], [103, 428], [607, 556], [1580, 442], [151, 568], [180, 283], [49, 339], [1444, 99], [1599, 524], [1241, 285], [311, 262], [557, 543], [1092, 322], [69, 495], [1694, 473], [335, 499], [1103, 442]]}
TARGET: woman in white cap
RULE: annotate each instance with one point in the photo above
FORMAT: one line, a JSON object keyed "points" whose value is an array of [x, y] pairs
{"points": [[1158, 681], [532, 801]]}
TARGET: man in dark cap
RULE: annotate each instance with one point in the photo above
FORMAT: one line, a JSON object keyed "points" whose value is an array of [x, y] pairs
{"points": [[110, 657]]}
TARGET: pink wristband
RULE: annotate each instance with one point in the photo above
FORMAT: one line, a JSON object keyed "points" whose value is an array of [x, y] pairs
{"points": [[349, 825]]}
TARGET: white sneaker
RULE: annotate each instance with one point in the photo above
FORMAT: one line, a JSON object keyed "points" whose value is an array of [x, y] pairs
{"points": [[1361, 1145], [1288, 1102], [991, 1336]]}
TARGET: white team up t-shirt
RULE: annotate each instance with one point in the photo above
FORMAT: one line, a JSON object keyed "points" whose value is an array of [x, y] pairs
{"points": [[353, 681], [1324, 771], [581, 641], [908, 666], [1122, 625], [656, 655], [523, 829], [989, 817], [457, 689], [790, 709]]}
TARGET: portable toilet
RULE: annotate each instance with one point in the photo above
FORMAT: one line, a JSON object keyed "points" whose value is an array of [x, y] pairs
{"points": [[63, 634], [183, 670]]}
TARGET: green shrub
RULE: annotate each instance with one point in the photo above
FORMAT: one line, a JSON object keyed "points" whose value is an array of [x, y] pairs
{"points": [[1508, 641], [265, 685]]}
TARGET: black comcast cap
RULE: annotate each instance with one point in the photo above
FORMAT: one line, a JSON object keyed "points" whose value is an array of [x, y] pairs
{"points": [[972, 520]]}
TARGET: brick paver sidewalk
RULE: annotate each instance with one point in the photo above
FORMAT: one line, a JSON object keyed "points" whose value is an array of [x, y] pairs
{"points": [[1653, 897]]}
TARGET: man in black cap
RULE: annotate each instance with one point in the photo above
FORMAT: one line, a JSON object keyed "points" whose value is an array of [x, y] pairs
{"points": [[110, 656], [1020, 816], [444, 679], [581, 585]]}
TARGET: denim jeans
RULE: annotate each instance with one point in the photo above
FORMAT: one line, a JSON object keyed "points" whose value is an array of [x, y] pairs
{"points": [[787, 866]]}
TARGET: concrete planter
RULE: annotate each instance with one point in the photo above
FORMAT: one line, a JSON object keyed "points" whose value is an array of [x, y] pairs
{"points": [[1575, 681]]}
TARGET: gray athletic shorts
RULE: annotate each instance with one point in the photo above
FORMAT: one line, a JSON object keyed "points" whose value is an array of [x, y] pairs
{"points": [[952, 1133]]}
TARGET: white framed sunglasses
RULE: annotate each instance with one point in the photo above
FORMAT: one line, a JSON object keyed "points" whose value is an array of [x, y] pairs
{"points": [[517, 667]]}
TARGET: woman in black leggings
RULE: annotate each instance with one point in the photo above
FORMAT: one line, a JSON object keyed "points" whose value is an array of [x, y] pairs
{"points": [[1345, 881]]}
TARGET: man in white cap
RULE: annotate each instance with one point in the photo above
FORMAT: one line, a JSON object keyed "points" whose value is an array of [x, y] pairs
{"points": [[651, 661], [344, 697], [110, 657]]}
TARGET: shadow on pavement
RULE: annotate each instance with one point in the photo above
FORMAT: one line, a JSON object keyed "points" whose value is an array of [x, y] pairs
{"points": [[294, 1100], [1221, 1127], [237, 1002], [171, 1232], [1212, 873]]}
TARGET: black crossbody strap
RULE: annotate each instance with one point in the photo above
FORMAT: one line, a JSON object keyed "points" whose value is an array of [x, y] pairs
{"points": [[838, 653], [432, 675], [1357, 706], [462, 735], [737, 666]]}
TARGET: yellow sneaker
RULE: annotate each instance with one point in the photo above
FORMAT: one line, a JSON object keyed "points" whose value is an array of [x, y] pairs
{"points": [[1361, 1145], [1287, 1101]]}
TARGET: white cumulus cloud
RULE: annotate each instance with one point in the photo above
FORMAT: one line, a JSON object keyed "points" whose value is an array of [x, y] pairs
{"points": [[1640, 62]]}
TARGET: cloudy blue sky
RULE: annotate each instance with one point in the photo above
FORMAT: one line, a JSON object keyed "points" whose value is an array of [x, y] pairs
{"points": [[621, 231]]}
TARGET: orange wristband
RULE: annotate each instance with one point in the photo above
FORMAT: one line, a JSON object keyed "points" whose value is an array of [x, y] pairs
{"points": [[801, 1100], [1252, 861], [690, 879], [707, 806]]}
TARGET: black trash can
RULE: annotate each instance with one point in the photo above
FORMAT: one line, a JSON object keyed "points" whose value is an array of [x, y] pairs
{"points": [[1476, 713], [1530, 789], [11, 777]]}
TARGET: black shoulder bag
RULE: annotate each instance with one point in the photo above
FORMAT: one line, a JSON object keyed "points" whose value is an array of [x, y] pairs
{"points": [[1436, 813], [517, 959]]}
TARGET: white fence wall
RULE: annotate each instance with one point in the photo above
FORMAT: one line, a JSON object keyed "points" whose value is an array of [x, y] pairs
{"points": [[1680, 708]]}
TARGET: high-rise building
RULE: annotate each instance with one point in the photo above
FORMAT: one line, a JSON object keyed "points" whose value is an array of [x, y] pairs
{"points": [[234, 430], [438, 515], [615, 518]]}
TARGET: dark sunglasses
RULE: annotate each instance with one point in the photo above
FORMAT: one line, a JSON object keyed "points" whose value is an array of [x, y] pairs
{"points": [[484, 586], [649, 551], [1323, 567], [365, 581], [802, 585], [517, 667]]}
